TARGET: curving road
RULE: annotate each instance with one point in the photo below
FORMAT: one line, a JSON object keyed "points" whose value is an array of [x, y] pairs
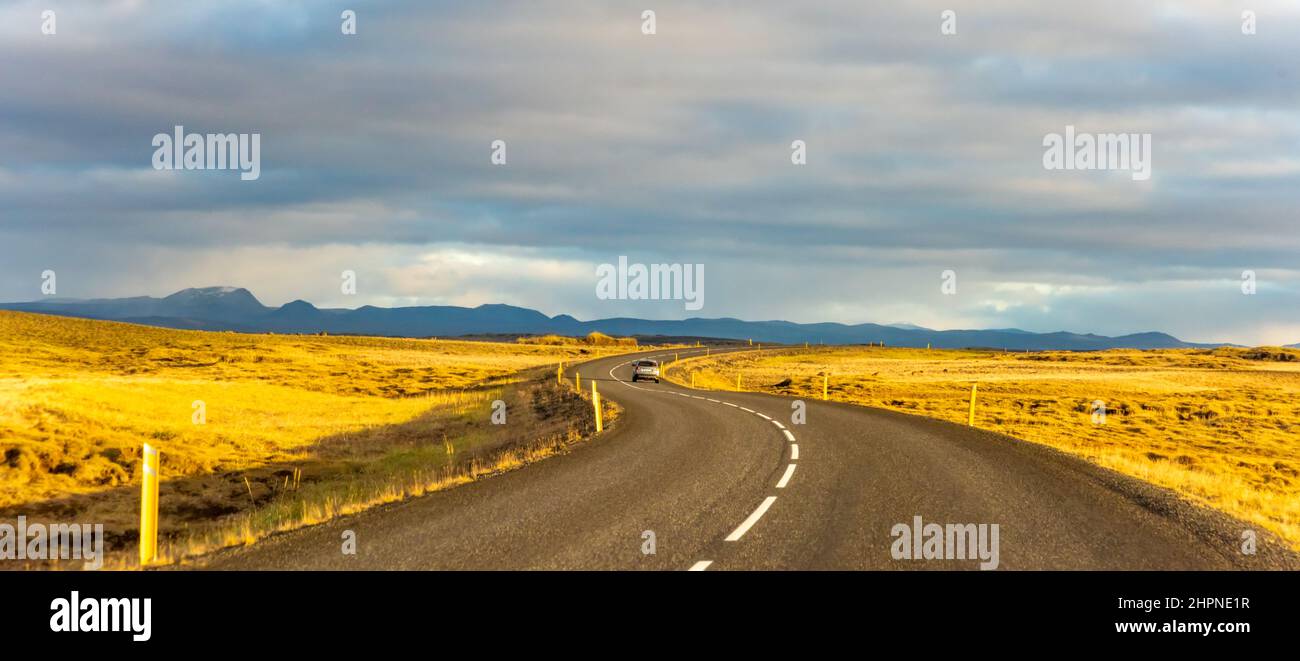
{"points": [[724, 480]]}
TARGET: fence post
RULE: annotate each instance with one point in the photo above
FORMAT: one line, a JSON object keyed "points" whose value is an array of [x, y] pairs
{"points": [[595, 401], [971, 420], [149, 505]]}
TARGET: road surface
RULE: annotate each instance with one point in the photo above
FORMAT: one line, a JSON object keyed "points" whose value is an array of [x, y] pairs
{"points": [[726, 481]]}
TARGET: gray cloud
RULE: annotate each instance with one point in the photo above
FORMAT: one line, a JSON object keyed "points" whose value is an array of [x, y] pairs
{"points": [[924, 154]]}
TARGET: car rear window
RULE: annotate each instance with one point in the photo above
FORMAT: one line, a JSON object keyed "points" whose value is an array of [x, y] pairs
{"points": [[646, 363]]}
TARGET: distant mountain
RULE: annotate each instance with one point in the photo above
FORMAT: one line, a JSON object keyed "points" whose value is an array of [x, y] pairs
{"points": [[232, 308]]}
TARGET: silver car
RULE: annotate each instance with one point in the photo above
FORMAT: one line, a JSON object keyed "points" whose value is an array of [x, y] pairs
{"points": [[645, 369]]}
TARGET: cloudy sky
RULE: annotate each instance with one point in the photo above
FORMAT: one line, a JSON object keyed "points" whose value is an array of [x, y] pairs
{"points": [[924, 154]]}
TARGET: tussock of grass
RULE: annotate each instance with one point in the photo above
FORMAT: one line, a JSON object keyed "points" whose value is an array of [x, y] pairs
{"points": [[594, 339], [1218, 425]]}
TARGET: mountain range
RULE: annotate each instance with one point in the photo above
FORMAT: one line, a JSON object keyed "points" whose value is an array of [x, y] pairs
{"points": [[236, 309]]}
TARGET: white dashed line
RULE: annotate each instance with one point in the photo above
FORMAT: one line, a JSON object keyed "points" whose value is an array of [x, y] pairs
{"points": [[767, 502], [785, 479], [753, 518]]}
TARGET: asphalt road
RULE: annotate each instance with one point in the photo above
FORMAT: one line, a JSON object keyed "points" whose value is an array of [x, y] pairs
{"points": [[725, 480]]}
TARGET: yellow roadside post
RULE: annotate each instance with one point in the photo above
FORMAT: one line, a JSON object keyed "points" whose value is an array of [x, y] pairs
{"points": [[737, 380], [825, 386], [577, 382], [559, 373], [971, 421], [751, 341], [149, 506], [706, 350], [595, 401], [692, 379]]}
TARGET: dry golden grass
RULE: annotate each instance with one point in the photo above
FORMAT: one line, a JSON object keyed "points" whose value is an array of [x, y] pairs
{"points": [[593, 338], [79, 397], [396, 478], [1218, 426]]}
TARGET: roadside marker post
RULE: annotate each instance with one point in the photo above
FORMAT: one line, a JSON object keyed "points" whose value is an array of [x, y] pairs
{"points": [[692, 379], [595, 401], [737, 381], [559, 373], [149, 505], [826, 380], [577, 382], [971, 421]]}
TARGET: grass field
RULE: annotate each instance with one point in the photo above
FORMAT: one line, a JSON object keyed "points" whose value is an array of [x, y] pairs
{"points": [[349, 419], [1218, 426]]}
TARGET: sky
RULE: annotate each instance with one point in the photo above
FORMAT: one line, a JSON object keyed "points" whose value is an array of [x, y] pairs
{"points": [[924, 154]]}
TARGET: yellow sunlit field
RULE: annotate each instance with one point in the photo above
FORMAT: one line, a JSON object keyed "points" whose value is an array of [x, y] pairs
{"points": [[1218, 426], [239, 417]]}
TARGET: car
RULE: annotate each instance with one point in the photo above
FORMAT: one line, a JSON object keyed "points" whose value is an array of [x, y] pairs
{"points": [[645, 369]]}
